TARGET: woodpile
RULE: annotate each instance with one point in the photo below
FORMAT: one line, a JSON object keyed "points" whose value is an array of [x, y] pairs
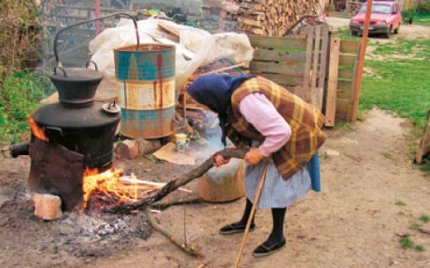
{"points": [[267, 17]]}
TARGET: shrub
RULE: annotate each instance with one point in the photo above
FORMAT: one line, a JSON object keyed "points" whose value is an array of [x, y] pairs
{"points": [[423, 8], [19, 33]]}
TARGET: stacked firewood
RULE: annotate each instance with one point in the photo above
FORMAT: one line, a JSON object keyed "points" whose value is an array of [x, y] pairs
{"points": [[267, 17]]}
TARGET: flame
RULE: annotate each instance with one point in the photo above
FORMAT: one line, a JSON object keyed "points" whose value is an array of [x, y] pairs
{"points": [[37, 131], [109, 183]]}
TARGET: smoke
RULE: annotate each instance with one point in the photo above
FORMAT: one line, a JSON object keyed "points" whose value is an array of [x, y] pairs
{"points": [[212, 135]]}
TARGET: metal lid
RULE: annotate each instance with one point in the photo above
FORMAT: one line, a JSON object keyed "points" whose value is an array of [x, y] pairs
{"points": [[76, 74]]}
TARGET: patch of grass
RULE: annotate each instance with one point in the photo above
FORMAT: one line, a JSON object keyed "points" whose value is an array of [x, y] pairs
{"points": [[421, 19], [414, 226], [425, 218], [419, 248], [344, 33], [344, 126], [20, 93], [361, 116], [324, 155], [387, 155], [400, 85], [400, 203], [406, 242], [424, 167]]}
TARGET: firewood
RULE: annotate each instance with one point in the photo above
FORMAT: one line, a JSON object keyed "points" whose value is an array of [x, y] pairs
{"points": [[173, 185], [156, 185], [257, 31], [161, 205], [230, 6], [249, 21], [273, 17], [131, 149]]}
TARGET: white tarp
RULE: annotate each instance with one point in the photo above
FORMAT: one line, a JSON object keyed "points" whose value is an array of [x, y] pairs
{"points": [[195, 48]]}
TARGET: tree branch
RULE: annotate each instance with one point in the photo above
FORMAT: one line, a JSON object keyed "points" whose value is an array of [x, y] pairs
{"points": [[172, 185], [180, 244]]}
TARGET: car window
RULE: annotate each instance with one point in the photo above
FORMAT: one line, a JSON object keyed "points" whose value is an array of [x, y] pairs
{"points": [[383, 9]]}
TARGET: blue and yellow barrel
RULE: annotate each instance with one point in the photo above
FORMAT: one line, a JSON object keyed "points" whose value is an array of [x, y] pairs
{"points": [[146, 90]]}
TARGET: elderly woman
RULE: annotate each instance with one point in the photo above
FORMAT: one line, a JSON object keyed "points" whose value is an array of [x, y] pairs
{"points": [[278, 126]]}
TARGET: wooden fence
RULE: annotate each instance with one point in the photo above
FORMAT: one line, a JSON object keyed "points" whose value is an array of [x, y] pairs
{"points": [[315, 66]]}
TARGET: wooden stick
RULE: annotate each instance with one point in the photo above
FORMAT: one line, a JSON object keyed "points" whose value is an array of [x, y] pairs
{"points": [[251, 216], [424, 231], [361, 58], [226, 68], [191, 250], [172, 185], [156, 185], [161, 205], [333, 73]]}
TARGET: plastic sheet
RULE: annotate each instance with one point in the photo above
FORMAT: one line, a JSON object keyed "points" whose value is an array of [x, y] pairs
{"points": [[195, 47]]}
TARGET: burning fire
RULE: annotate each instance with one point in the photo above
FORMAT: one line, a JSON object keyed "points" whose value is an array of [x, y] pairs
{"points": [[37, 131], [110, 183]]}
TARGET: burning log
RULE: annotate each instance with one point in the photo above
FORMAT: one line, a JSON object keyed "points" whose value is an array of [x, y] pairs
{"points": [[173, 185]]}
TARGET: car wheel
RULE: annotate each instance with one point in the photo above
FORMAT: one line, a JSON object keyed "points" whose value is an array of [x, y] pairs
{"points": [[388, 33], [397, 30]]}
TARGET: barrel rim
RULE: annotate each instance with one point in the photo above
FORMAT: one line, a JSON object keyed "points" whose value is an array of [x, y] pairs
{"points": [[132, 48]]}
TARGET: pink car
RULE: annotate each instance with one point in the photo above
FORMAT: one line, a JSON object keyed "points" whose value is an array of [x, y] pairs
{"points": [[385, 19]]}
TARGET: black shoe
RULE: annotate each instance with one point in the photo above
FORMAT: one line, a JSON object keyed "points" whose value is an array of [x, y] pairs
{"points": [[268, 248], [235, 228]]}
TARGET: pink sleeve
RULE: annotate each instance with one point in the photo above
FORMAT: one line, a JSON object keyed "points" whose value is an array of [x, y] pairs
{"points": [[261, 113]]}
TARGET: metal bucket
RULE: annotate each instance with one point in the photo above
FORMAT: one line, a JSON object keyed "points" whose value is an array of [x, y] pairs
{"points": [[146, 90]]}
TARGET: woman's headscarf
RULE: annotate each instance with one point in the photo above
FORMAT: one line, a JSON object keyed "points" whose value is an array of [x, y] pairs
{"points": [[214, 91]]}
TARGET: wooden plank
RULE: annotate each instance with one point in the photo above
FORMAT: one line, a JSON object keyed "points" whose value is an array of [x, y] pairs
{"points": [[346, 73], [277, 42], [350, 46], [355, 81], [274, 68], [345, 89], [275, 55], [285, 80], [345, 85], [315, 67], [299, 91], [165, 27], [348, 60], [317, 96], [323, 64], [343, 109], [306, 79], [333, 73], [324, 51]]}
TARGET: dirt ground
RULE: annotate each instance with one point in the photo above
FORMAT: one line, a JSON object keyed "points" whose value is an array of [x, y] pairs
{"points": [[371, 194]]}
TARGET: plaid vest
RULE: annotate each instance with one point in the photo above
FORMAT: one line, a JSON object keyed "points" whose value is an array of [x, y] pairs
{"points": [[304, 119]]}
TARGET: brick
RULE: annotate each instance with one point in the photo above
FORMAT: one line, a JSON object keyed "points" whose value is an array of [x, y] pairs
{"points": [[47, 206]]}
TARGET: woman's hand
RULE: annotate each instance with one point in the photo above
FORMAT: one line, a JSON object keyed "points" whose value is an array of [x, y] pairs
{"points": [[219, 160], [253, 156]]}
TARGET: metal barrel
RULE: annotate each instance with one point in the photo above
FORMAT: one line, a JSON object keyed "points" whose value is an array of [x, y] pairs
{"points": [[146, 90]]}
